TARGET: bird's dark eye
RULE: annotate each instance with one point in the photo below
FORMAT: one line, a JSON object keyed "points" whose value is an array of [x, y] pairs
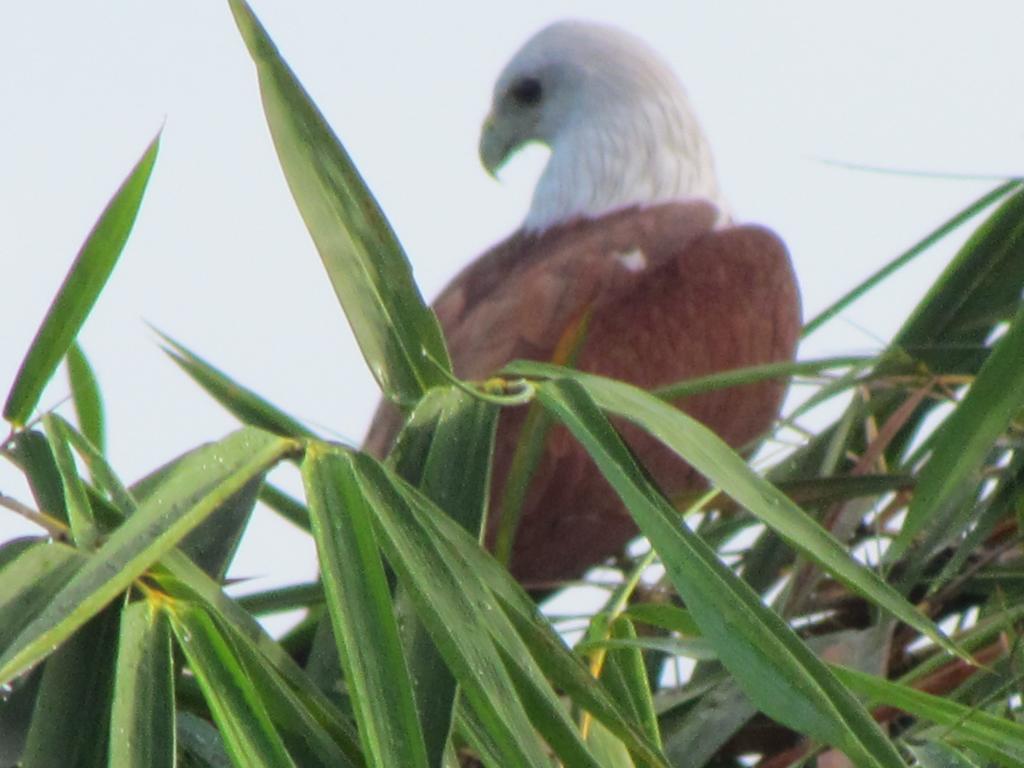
{"points": [[526, 91]]}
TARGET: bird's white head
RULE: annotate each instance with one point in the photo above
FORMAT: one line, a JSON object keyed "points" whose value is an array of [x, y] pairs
{"points": [[618, 123]]}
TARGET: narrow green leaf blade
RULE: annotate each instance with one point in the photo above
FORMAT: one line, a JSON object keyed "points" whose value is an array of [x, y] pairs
{"points": [[725, 469], [452, 609], [243, 403], [31, 581], [241, 716], [80, 516], [70, 724], [548, 650], [779, 673], [86, 397], [142, 731], [184, 580], [966, 438], [998, 736], [360, 607], [398, 334], [445, 450], [910, 254], [198, 487], [78, 293]]}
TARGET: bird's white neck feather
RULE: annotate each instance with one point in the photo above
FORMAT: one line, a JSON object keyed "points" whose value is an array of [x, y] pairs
{"points": [[625, 155]]}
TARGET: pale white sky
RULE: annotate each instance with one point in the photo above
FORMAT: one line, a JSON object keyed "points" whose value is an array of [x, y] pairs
{"points": [[219, 258]]}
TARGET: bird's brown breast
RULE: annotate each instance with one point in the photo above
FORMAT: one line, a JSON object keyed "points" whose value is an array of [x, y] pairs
{"points": [[669, 297]]}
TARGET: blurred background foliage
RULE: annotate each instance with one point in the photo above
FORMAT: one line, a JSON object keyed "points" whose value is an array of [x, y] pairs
{"points": [[855, 601]]}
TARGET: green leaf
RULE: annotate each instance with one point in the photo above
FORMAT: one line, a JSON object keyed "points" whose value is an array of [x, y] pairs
{"points": [[445, 450], [738, 377], [999, 738], [78, 293], [188, 495], [184, 580], [287, 506], [547, 649], [83, 525], [453, 607], [70, 724], [86, 397], [398, 334], [248, 733], [523, 637], [777, 671], [360, 606], [727, 470], [142, 730], [910, 254], [101, 472], [31, 452], [695, 731], [965, 439], [243, 403], [31, 582], [626, 678], [308, 742], [939, 755]]}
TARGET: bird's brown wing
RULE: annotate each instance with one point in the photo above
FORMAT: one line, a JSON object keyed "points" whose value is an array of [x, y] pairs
{"points": [[517, 299], [707, 300]]}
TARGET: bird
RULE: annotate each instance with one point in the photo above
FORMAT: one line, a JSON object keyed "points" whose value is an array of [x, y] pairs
{"points": [[628, 243]]}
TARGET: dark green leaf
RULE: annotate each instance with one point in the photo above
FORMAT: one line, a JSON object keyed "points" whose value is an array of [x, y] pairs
{"points": [[445, 450], [965, 439], [188, 495], [78, 293], [360, 606], [547, 649], [30, 583], [725, 469], [245, 404], [910, 254], [142, 714], [70, 723], [776, 670], [453, 607], [80, 516], [248, 733]]}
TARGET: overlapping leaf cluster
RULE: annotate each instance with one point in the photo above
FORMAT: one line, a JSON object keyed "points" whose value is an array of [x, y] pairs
{"points": [[809, 598]]}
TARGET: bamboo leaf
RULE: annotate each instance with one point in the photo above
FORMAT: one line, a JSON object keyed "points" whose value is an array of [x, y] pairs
{"points": [[725, 469], [453, 608], [80, 516], [911, 253], [142, 713], [86, 397], [445, 450], [30, 583], [398, 334], [999, 738], [776, 670], [965, 439], [243, 403], [360, 607], [78, 293], [516, 626], [185, 581], [198, 487], [249, 735], [71, 721]]}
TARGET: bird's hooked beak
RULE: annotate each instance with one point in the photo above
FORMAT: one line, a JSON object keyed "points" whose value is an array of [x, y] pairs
{"points": [[495, 145]]}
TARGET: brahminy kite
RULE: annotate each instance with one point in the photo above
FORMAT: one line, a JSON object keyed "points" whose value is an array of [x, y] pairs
{"points": [[627, 227]]}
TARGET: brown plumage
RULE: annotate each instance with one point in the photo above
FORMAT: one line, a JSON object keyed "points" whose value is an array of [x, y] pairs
{"points": [[670, 296]]}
